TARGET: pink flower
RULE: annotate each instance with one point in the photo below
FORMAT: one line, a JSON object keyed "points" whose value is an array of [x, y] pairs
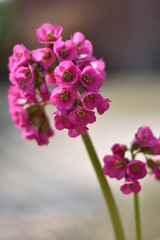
{"points": [[44, 56], [61, 121], [156, 147], [100, 65], [156, 172], [91, 79], [114, 167], [32, 132], [103, 106], [49, 33], [154, 165], [45, 94], [29, 93], [119, 149], [50, 78], [144, 137], [76, 131], [62, 98], [136, 169], [22, 77], [17, 110], [67, 73], [81, 116], [84, 47], [130, 186], [20, 57], [65, 50], [92, 100]]}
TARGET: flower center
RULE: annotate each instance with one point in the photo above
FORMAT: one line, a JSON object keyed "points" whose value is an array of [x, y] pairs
{"points": [[63, 53], [81, 113], [67, 75], [135, 168], [131, 185], [28, 74], [46, 56], [89, 98], [119, 164], [86, 78], [143, 138], [65, 95], [20, 54], [50, 37]]}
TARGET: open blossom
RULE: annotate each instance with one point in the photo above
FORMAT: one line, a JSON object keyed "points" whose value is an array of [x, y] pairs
{"points": [[94, 99], [130, 186], [44, 56], [100, 65], [65, 50], [67, 73], [22, 76], [84, 47], [76, 131], [119, 149], [81, 116], [136, 169], [62, 98], [115, 166], [104, 106], [20, 57], [61, 121], [49, 33], [145, 137], [91, 79]]}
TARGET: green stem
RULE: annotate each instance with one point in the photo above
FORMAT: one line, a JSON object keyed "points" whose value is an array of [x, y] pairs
{"points": [[137, 217], [109, 199]]}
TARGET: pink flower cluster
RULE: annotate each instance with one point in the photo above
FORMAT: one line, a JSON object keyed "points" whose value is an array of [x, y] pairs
{"points": [[119, 166], [75, 74]]}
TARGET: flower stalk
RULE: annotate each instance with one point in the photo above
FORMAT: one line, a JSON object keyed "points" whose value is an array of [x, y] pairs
{"points": [[109, 199], [137, 217]]}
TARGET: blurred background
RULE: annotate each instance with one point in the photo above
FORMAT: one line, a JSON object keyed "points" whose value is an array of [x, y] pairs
{"points": [[52, 192]]}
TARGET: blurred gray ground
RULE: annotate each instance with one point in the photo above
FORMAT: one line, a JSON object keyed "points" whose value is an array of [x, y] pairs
{"points": [[51, 192]]}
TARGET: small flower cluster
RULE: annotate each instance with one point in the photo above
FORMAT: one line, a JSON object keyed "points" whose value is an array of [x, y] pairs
{"points": [[68, 64], [119, 166]]}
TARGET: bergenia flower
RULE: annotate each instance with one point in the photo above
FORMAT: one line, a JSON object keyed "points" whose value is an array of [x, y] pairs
{"points": [[119, 149], [114, 166], [76, 131], [144, 137], [130, 186], [65, 50], [91, 79], [62, 98], [20, 57], [67, 73], [22, 76], [81, 116], [49, 33], [61, 121], [44, 56], [84, 47], [136, 169]]}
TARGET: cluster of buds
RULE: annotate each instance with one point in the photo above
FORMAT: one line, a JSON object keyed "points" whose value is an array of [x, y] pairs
{"points": [[75, 74], [132, 170]]}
